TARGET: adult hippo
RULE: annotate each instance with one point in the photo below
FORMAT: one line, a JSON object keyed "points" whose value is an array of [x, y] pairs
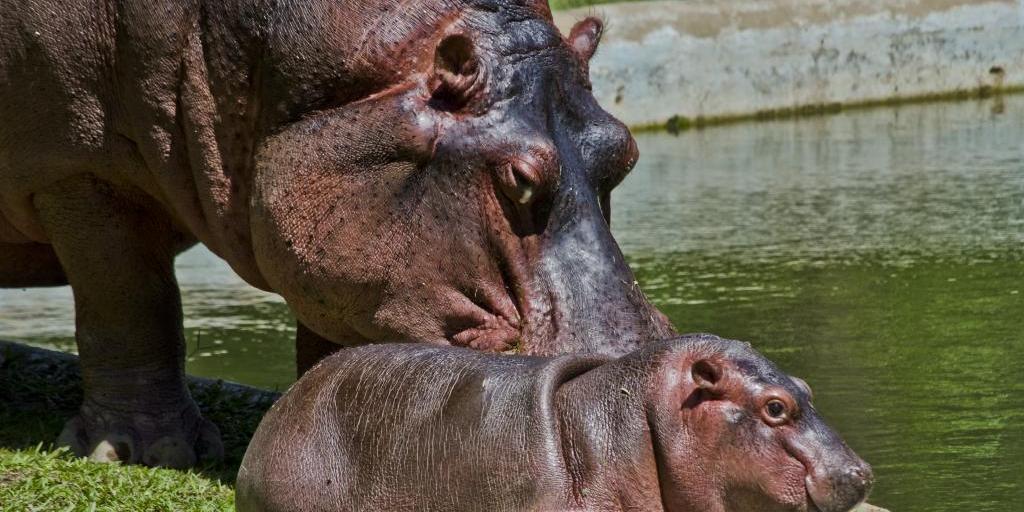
{"points": [[423, 170], [692, 424]]}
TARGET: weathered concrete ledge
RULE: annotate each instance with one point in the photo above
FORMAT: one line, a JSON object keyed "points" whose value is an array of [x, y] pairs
{"points": [[702, 61]]}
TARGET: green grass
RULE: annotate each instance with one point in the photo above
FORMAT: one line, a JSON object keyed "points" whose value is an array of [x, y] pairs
{"points": [[39, 479], [38, 394]]}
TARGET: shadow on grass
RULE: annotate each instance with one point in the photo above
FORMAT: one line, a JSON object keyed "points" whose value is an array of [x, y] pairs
{"points": [[40, 389]]}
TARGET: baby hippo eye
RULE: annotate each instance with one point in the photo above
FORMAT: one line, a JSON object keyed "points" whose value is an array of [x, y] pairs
{"points": [[776, 409], [776, 412]]}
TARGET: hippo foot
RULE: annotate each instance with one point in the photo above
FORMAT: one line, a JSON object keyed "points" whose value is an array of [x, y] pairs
{"points": [[175, 439]]}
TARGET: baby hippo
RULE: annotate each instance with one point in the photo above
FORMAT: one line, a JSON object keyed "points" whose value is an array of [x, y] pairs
{"points": [[697, 423]]}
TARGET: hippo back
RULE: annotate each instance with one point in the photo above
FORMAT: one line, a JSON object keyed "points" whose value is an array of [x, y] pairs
{"points": [[369, 428]]}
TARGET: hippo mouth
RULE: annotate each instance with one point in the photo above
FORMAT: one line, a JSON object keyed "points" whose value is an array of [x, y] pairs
{"points": [[819, 504], [805, 463], [510, 317], [812, 506], [821, 496], [491, 333], [494, 317]]}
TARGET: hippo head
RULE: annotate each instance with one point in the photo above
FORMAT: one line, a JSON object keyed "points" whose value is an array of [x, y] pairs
{"points": [[735, 433], [462, 198]]}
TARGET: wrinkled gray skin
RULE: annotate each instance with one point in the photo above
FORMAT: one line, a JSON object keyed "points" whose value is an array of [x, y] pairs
{"points": [[679, 425], [425, 170]]}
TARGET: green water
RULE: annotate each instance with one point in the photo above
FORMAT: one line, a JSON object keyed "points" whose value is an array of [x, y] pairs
{"points": [[878, 254]]}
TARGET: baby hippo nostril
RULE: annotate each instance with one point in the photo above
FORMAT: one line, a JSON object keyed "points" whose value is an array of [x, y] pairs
{"points": [[862, 475]]}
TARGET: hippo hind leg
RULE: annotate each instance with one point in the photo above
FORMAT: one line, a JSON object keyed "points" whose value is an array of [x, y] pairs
{"points": [[118, 257]]}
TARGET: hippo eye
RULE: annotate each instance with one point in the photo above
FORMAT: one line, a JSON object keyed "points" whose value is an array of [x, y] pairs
{"points": [[522, 192], [776, 412], [518, 180]]}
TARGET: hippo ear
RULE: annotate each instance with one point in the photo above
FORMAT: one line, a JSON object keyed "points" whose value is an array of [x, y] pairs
{"points": [[458, 75], [706, 378], [585, 36], [706, 374], [802, 384]]}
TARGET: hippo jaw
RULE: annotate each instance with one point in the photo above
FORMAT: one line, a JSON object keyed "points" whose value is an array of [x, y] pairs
{"points": [[461, 206]]}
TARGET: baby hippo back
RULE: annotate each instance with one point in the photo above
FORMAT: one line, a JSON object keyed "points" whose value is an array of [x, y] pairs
{"points": [[393, 427]]}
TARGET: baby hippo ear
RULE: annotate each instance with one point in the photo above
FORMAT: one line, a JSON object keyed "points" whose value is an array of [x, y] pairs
{"points": [[706, 374], [705, 383], [707, 378], [458, 74], [585, 36]]}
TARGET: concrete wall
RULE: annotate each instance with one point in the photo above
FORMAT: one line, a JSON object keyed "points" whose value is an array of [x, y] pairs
{"points": [[714, 59]]}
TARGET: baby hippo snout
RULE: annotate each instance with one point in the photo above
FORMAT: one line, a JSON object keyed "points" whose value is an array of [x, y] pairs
{"points": [[849, 487], [859, 477], [837, 479]]}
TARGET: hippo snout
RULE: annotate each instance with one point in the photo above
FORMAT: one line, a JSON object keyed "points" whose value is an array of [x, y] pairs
{"points": [[844, 489], [837, 478]]}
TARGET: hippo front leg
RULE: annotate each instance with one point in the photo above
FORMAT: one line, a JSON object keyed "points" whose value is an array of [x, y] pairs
{"points": [[118, 257]]}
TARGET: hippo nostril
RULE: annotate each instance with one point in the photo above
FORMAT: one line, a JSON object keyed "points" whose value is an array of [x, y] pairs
{"points": [[863, 475], [857, 479]]}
